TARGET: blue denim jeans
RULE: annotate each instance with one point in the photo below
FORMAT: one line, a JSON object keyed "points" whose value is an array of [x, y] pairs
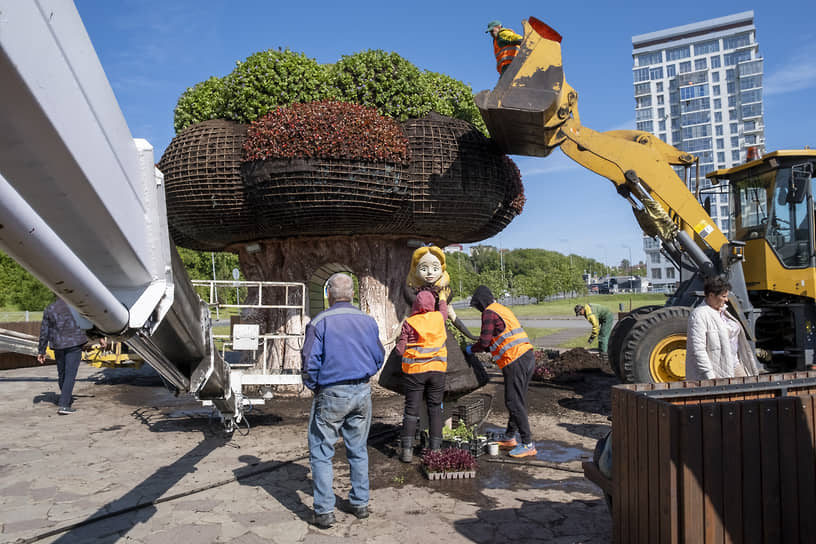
{"points": [[339, 410], [67, 366]]}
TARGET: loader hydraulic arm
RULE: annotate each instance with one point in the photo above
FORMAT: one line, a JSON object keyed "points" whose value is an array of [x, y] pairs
{"points": [[532, 110]]}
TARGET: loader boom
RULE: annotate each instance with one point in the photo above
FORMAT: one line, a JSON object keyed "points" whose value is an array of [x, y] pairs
{"points": [[532, 110]]}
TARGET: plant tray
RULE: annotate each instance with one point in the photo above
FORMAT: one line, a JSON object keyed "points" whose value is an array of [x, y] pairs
{"points": [[476, 447], [449, 475]]}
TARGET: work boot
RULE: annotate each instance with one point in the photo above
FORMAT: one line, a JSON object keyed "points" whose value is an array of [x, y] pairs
{"points": [[406, 449], [324, 521], [435, 443]]}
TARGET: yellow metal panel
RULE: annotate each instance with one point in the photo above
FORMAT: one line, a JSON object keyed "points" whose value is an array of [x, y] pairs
{"points": [[764, 272]]}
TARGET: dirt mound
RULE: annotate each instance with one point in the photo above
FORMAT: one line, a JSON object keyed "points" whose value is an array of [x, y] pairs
{"points": [[567, 366]]}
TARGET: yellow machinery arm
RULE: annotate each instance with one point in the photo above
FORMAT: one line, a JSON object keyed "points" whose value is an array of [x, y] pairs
{"points": [[532, 110]]}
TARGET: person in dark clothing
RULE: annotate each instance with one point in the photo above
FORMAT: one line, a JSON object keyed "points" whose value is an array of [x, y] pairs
{"points": [[424, 362], [505, 339], [60, 331], [341, 351]]}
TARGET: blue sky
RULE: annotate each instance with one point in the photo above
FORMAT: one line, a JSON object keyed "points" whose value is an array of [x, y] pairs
{"points": [[152, 50]]}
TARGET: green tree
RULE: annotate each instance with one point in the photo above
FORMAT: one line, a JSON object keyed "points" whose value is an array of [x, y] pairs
{"points": [[485, 258], [19, 289], [461, 273]]}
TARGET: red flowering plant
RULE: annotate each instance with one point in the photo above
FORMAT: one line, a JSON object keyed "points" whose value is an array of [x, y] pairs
{"points": [[448, 460], [543, 362], [327, 130]]}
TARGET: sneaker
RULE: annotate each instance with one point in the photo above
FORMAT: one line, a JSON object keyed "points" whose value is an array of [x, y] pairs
{"points": [[523, 450], [360, 512], [324, 521], [65, 410], [508, 443]]}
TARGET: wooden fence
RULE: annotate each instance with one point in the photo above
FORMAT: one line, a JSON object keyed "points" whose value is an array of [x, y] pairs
{"points": [[728, 460]]}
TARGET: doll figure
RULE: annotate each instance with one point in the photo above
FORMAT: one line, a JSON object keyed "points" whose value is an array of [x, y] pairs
{"points": [[428, 272]]}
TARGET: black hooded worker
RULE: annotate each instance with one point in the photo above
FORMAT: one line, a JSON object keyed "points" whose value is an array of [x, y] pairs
{"points": [[505, 44], [512, 351], [424, 362], [601, 319]]}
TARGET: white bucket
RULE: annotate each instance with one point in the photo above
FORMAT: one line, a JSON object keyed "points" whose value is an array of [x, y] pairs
{"points": [[493, 448]]}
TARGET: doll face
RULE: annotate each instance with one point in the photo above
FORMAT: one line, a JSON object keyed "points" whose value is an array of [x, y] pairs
{"points": [[429, 268]]}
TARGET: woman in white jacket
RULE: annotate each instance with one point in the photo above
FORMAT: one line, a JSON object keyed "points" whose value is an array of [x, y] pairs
{"points": [[716, 345]]}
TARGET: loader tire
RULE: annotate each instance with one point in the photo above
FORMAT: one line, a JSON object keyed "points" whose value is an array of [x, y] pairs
{"points": [[654, 350], [619, 332]]}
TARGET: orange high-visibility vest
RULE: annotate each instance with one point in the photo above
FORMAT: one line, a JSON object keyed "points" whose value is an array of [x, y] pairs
{"points": [[504, 55], [512, 343], [428, 353]]}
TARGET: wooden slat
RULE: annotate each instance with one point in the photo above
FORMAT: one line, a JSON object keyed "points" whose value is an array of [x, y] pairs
{"points": [[788, 469], [732, 472], [691, 493], [769, 463], [631, 521], [668, 470], [643, 470], [751, 474], [806, 460], [619, 453], [653, 426], [713, 462]]}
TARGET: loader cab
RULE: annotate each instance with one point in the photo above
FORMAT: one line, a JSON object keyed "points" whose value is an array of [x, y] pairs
{"points": [[772, 213]]}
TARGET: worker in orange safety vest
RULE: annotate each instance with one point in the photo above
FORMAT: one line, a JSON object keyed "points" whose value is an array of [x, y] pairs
{"points": [[510, 349], [505, 44], [424, 363]]}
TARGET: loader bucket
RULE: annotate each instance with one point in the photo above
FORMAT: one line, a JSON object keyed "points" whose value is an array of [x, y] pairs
{"points": [[530, 101]]}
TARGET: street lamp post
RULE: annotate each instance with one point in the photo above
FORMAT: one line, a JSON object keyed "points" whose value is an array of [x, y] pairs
{"points": [[629, 268]]}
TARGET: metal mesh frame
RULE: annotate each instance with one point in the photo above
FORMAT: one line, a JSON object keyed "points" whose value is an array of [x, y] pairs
{"points": [[457, 188]]}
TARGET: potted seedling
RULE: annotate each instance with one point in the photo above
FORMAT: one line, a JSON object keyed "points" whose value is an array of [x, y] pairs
{"points": [[448, 463]]}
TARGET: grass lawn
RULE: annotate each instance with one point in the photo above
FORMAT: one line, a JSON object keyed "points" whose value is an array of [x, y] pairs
{"points": [[565, 307]]}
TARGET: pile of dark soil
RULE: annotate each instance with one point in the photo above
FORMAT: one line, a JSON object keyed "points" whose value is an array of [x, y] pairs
{"points": [[569, 365]]}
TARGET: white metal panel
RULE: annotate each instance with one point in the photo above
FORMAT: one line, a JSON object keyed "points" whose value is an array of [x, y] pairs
{"points": [[66, 148]]}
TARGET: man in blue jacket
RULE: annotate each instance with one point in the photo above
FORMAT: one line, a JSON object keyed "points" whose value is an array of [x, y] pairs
{"points": [[341, 351]]}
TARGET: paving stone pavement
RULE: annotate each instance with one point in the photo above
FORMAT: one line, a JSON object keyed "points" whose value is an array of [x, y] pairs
{"points": [[154, 468]]}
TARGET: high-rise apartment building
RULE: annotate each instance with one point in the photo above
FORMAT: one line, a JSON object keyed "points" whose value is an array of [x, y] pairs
{"points": [[698, 87]]}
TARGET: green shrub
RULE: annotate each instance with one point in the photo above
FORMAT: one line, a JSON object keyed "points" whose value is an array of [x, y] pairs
{"points": [[199, 103], [269, 79], [453, 98], [384, 81]]}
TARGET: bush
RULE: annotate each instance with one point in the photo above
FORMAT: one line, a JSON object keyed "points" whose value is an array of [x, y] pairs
{"points": [[202, 102], [374, 78], [334, 130], [384, 81], [453, 98], [269, 79]]}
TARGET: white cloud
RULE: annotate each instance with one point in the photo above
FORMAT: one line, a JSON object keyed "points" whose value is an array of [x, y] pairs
{"points": [[796, 74], [556, 162]]}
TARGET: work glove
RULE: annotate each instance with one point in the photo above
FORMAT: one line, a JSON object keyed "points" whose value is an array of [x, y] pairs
{"points": [[591, 339], [469, 349]]}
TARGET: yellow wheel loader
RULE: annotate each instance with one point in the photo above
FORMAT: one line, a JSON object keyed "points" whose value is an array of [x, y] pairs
{"points": [[770, 263]]}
